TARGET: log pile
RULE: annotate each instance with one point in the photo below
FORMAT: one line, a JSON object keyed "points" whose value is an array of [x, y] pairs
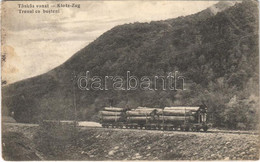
{"points": [[144, 114], [141, 114], [112, 114], [178, 113]]}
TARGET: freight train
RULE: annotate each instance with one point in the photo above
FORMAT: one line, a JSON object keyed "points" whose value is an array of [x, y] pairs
{"points": [[183, 118]]}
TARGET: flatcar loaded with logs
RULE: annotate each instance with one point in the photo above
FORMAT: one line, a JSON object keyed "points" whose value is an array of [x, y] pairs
{"points": [[183, 118]]}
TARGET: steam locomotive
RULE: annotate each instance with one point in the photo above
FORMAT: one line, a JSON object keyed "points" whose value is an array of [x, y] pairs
{"points": [[183, 118]]}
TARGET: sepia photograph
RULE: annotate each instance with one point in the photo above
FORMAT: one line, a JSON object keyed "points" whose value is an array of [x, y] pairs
{"points": [[134, 80]]}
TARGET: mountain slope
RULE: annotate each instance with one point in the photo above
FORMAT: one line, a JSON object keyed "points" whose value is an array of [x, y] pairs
{"points": [[216, 52]]}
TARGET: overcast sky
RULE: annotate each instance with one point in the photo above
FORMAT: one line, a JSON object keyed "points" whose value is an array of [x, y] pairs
{"points": [[36, 43]]}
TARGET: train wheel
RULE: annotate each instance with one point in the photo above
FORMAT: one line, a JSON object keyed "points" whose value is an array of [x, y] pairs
{"points": [[205, 129], [187, 128]]}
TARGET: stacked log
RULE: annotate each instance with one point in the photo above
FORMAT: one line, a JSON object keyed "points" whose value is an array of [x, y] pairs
{"points": [[171, 114], [149, 109], [180, 111], [117, 109], [175, 118], [112, 114], [111, 118], [176, 112], [140, 114], [182, 108], [138, 118]]}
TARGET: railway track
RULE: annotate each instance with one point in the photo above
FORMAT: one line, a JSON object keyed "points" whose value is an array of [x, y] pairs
{"points": [[176, 131], [124, 129]]}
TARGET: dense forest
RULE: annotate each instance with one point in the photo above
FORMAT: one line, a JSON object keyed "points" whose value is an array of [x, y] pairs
{"points": [[216, 53]]}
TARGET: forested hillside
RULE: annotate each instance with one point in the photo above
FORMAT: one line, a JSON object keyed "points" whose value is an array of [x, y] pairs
{"points": [[217, 54]]}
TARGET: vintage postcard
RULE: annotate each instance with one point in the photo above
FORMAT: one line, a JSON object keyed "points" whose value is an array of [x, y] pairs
{"points": [[129, 80]]}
